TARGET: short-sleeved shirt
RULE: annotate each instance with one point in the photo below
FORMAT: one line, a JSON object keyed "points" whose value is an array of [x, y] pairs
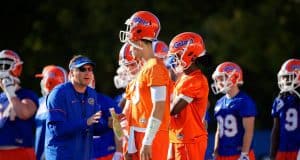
{"points": [[229, 113], [17, 132], [153, 73], [287, 109], [188, 125]]}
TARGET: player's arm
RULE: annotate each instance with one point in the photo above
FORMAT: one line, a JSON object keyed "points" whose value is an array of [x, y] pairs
{"points": [[24, 108], [216, 145], [179, 103], [158, 97], [274, 138], [122, 102], [248, 124]]}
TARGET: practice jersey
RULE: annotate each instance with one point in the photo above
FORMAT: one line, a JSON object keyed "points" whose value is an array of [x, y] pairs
{"points": [[153, 73], [229, 113], [16, 132], [104, 144], [40, 121], [129, 92], [188, 125], [287, 109]]}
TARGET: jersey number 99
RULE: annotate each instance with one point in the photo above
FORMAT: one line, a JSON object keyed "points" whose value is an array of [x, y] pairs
{"points": [[227, 126]]}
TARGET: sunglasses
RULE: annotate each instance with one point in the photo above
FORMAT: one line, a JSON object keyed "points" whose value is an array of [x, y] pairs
{"points": [[84, 69]]}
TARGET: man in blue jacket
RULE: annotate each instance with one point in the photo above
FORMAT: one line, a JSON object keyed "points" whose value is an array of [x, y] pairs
{"points": [[74, 115]]}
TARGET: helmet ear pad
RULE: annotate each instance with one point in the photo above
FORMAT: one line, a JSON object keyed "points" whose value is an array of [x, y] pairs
{"points": [[234, 78], [17, 70], [191, 53]]}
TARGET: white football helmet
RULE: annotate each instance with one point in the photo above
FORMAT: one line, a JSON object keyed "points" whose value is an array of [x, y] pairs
{"points": [[289, 76]]}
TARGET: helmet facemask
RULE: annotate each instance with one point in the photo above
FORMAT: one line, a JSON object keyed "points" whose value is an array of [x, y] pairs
{"points": [[122, 79], [6, 65], [288, 82], [179, 64], [44, 90], [223, 82], [126, 35], [132, 69]]}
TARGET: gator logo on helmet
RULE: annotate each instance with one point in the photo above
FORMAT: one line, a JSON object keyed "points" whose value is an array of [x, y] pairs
{"points": [[229, 68], [182, 43], [295, 67], [139, 20]]}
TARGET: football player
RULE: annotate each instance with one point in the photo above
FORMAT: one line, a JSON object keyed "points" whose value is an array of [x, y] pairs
{"points": [[106, 145], [235, 113], [160, 49], [188, 135], [151, 97], [285, 137], [17, 108], [51, 76]]}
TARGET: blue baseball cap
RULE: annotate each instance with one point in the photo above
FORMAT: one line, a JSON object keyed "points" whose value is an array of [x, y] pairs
{"points": [[80, 61]]}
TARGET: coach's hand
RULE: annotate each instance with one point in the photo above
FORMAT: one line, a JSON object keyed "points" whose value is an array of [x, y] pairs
{"points": [[146, 152], [94, 118]]}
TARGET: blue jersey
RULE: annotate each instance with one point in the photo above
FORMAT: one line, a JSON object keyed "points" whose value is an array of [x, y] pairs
{"points": [[229, 113], [287, 109], [17, 132], [40, 121], [104, 144], [118, 98], [67, 133]]}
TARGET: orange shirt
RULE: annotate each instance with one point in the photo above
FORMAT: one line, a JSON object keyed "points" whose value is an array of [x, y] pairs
{"points": [[130, 89], [128, 94], [153, 73], [188, 126]]}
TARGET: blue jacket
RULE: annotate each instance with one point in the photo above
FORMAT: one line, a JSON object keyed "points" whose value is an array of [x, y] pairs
{"points": [[67, 133]]}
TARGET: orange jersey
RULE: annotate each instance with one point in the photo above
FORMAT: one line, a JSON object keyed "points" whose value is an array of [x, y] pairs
{"points": [[188, 126], [130, 89], [153, 73], [128, 95]]}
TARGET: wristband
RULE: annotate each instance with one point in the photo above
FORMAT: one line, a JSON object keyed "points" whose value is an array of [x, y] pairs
{"points": [[151, 130]]}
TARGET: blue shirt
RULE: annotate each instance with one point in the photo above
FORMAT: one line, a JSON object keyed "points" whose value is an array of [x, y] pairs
{"points": [[287, 109], [229, 113], [40, 121], [118, 98], [67, 134], [104, 144], [17, 132]]}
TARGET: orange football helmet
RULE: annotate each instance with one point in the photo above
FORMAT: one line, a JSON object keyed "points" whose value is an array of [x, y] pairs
{"points": [[141, 25], [186, 47], [225, 76], [10, 64], [289, 76], [160, 49], [52, 76]]}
